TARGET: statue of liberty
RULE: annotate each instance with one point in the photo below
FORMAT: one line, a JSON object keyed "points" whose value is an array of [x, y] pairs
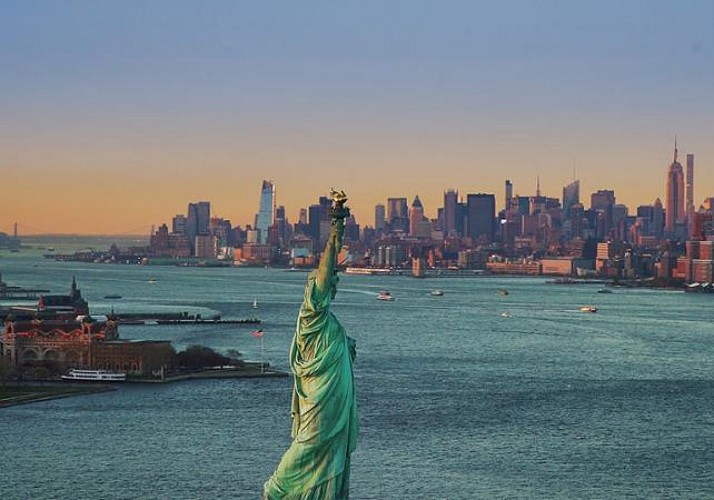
{"points": [[316, 466]]}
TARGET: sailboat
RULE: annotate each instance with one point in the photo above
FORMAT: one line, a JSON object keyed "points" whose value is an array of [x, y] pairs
{"points": [[255, 303]]}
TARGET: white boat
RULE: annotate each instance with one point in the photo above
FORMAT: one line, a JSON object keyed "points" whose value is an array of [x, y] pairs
{"points": [[384, 295], [367, 271], [255, 303], [94, 376], [437, 293], [589, 309], [151, 280], [506, 314], [604, 290]]}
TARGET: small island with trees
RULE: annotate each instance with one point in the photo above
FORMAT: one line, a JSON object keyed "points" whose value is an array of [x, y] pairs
{"points": [[41, 381]]}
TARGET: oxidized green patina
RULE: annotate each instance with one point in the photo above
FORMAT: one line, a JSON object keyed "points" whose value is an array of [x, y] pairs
{"points": [[324, 411]]}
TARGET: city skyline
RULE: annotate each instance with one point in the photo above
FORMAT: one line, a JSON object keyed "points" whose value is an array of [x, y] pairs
{"points": [[117, 115], [362, 211]]}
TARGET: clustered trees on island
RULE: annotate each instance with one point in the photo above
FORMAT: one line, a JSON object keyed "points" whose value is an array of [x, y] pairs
{"points": [[197, 357]]}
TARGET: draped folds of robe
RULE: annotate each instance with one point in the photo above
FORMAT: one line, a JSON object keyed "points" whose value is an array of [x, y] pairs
{"points": [[324, 411]]}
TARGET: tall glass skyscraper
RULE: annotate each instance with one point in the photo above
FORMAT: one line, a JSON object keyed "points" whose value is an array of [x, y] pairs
{"points": [[571, 196], [266, 211]]}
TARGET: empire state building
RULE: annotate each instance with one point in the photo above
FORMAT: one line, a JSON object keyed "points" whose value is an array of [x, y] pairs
{"points": [[675, 214]]}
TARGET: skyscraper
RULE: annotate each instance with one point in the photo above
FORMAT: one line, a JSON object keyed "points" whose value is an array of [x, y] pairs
{"points": [[690, 194], [379, 217], [178, 224], [657, 218], [398, 214], [674, 214], [197, 222], [509, 195], [266, 211], [571, 196], [481, 215], [451, 213], [419, 226]]}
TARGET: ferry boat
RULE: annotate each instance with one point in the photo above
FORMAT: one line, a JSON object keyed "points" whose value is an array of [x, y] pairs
{"points": [[367, 271], [384, 295], [94, 376], [589, 309]]}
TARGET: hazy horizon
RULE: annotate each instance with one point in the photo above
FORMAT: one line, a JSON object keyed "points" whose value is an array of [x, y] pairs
{"points": [[116, 115]]}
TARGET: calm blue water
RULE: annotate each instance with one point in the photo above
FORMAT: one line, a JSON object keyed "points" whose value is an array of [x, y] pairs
{"points": [[456, 401]]}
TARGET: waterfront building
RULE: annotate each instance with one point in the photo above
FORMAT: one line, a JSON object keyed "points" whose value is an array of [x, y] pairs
{"points": [[165, 244], [63, 306], [675, 215], [206, 246], [256, 254], [63, 344], [697, 265], [564, 266], [521, 267], [481, 216], [266, 211]]}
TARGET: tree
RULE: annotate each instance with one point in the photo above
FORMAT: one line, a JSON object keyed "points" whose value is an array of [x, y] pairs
{"points": [[197, 356]]}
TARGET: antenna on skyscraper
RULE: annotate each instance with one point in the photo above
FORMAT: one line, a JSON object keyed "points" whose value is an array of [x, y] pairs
{"points": [[675, 147]]}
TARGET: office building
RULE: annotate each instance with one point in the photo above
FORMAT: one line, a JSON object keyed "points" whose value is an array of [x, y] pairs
{"points": [[674, 214], [266, 211], [379, 217], [451, 213], [480, 216]]}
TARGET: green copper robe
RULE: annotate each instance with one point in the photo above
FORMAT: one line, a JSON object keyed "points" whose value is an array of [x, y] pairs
{"points": [[324, 411]]}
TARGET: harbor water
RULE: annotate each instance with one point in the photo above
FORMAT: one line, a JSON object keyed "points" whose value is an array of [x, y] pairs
{"points": [[457, 400]]}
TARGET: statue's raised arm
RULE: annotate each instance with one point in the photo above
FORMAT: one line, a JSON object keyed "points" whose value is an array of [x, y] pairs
{"points": [[328, 261]]}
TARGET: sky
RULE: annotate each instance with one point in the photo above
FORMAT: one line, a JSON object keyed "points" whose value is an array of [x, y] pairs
{"points": [[115, 115]]}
